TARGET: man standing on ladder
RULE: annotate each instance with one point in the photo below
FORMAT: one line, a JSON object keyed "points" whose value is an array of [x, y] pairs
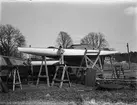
{"points": [[61, 51]]}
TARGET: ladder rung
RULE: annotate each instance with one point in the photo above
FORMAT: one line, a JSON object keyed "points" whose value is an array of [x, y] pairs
{"points": [[57, 80], [61, 69], [42, 76], [17, 83], [60, 80], [66, 80]]}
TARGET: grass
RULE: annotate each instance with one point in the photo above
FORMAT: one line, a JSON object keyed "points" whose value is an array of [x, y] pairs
{"points": [[75, 95]]}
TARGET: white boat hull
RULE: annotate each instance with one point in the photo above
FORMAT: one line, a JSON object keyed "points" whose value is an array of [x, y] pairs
{"points": [[67, 52], [72, 57]]}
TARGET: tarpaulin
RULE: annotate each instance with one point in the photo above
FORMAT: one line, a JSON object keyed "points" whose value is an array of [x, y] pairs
{"points": [[6, 61]]}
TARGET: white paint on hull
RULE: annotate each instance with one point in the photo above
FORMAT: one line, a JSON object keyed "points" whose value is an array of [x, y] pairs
{"points": [[67, 52]]}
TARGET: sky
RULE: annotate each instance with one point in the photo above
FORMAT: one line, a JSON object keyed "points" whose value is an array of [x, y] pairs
{"points": [[41, 22]]}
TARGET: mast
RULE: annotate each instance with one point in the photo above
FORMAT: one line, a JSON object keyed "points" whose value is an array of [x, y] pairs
{"points": [[128, 55]]}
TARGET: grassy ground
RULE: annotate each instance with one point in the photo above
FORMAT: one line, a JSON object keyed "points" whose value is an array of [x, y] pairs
{"points": [[76, 95]]}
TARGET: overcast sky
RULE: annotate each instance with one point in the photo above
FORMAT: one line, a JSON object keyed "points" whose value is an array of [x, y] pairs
{"points": [[41, 22]]}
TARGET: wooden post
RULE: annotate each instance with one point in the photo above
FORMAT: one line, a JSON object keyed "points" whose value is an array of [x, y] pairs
{"points": [[18, 75], [62, 77], [46, 71], [31, 66], [15, 77], [128, 55], [55, 76], [96, 59], [84, 58], [39, 73], [101, 66]]}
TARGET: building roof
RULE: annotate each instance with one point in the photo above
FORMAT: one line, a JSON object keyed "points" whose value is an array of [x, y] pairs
{"points": [[81, 46]]}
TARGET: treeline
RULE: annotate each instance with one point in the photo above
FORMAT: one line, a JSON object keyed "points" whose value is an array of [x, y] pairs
{"points": [[126, 56]]}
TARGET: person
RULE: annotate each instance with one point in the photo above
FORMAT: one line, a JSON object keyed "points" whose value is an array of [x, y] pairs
{"points": [[61, 51]]}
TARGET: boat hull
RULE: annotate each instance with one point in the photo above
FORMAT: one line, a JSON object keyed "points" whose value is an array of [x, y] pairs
{"points": [[72, 57], [67, 52]]}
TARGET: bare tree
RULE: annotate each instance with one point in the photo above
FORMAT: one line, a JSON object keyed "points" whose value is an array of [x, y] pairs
{"points": [[96, 40], [10, 39], [64, 40]]}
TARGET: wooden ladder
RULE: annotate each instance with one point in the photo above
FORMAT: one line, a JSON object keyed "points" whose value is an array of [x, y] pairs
{"points": [[118, 72], [46, 73], [16, 76], [63, 69]]}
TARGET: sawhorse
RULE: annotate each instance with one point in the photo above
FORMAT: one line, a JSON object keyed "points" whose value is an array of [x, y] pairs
{"points": [[43, 76], [64, 70], [15, 75]]}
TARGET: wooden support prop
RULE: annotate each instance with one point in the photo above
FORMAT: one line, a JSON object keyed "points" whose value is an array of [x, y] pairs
{"points": [[15, 77], [55, 76], [101, 67], [62, 77], [62, 68], [31, 66], [98, 55], [39, 73], [86, 59], [88, 63], [46, 71], [128, 56], [93, 63], [64, 71], [46, 68]]}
